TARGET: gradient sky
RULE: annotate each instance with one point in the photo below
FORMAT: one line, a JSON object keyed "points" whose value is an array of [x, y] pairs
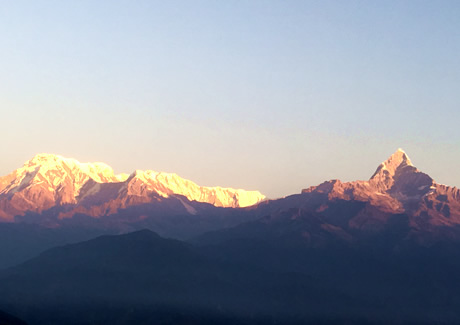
{"points": [[268, 95]]}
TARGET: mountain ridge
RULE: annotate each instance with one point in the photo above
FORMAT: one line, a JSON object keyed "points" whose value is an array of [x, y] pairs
{"points": [[48, 180], [171, 205], [397, 186], [397, 199]]}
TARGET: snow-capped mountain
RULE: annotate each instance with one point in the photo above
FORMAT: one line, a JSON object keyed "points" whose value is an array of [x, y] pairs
{"points": [[387, 247], [49, 181], [397, 186], [398, 200]]}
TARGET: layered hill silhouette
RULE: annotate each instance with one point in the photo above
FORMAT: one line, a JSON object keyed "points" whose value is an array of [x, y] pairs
{"points": [[142, 278], [381, 251], [109, 276]]}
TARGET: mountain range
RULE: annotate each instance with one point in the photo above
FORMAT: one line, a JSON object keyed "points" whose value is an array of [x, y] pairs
{"points": [[50, 190], [53, 200], [50, 181], [381, 251], [396, 193]]}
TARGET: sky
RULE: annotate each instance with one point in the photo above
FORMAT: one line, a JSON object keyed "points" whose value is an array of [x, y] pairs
{"points": [[269, 95]]}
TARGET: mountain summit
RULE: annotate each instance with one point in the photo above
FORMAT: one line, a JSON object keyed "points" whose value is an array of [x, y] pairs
{"points": [[395, 183], [48, 181], [397, 187], [398, 176], [398, 205], [396, 162]]}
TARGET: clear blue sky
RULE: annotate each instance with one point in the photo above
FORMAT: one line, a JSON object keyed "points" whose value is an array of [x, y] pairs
{"points": [[267, 95]]}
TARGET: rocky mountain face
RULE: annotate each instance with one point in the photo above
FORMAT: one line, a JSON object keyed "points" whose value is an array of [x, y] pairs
{"points": [[397, 187], [70, 187], [398, 199]]}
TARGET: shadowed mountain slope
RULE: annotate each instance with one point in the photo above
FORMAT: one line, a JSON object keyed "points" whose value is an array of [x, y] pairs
{"points": [[141, 277], [144, 270]]}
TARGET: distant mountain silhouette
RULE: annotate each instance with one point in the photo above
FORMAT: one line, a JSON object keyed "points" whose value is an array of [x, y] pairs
{"points": [[157, 275], [20, 242], [143, 278]]}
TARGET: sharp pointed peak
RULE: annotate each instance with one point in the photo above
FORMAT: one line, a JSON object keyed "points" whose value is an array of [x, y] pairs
{"points": [[399, 156], [397, 160]]}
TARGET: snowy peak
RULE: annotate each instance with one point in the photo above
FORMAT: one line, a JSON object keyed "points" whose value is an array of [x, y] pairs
{"points": [[166, 184], [397, 170], [44, 159], [396, 161], [98, 171], [48, 181], [56, 173], [395, 186]]}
